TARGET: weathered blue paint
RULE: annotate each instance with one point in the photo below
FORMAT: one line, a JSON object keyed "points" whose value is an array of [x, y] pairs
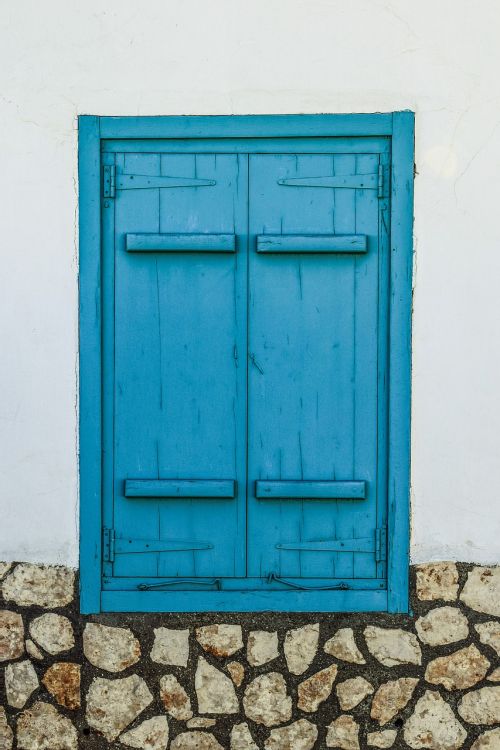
{"points": [[177, 366]]}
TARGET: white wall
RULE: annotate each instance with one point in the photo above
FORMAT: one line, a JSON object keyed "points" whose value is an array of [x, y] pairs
{"points": [[440, 58]]}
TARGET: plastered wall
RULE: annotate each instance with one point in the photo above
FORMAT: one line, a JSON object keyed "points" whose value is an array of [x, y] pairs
{"points": [[441, 59]]}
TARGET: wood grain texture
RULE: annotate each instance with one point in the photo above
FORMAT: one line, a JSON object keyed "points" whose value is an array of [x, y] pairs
{"points": [[297, 243]]}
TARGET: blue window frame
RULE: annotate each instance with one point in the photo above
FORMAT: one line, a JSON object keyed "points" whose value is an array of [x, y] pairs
{"points": [[255, 148]]}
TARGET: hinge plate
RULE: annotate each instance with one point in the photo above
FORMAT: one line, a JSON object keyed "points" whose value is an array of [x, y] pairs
{"points": [[381, 544], [108, 545], [108, 180]]}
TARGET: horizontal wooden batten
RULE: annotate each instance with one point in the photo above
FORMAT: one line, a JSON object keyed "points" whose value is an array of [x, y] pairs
{"points": [[175, 243], [354, 181], [320, 243], [309, 490], [178, 488]]}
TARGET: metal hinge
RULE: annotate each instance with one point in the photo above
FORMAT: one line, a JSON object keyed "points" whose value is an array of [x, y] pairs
{"points": [[381, 544], [108, 545], [108, 180], [383, 180]]}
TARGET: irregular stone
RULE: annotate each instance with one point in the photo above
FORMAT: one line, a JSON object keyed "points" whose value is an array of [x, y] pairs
{"points": [[195, 741], [215, 691], [300, 647], [482, 590], [33, 650], [62, 680], [112, 649], [481, 706], [114, 704], [392, 646], [241, 739], [343, 733], [494, 676], [220, 640], [437, 580], [316, 689], [301, 735], [171, 647], [20, 682], [351, 692], [200, 722], [152, 734], [441, 626], [459, 670], [175, 699], [42, 727], [237, 672], [47, 586], [489, 634], [392, 697], [383, 739], [433, 725], [53, 633], [4, 569], [11, 635], [343, 646], [266, 700], [6, 733], [262, 647], [489, 740]]}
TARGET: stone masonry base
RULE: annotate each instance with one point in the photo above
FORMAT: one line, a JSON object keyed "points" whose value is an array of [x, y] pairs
{"points": [[249, 682]]}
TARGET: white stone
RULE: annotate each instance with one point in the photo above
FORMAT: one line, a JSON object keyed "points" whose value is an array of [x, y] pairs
{"points": [[114, 704], [383, 739], [343, 733], [392, 697], [112, 649], [392, 646], [176, 701], [200, 722], [262, 647], [316, 689], [6, 733], [351, 692], [241, 739], [171, 647], [266, 700], [433, 725], [47, 586], [494, 676], [489, 634], [343, 646], [33, 650], [195, 741], [214, 690], [11, 635], [152, 734], [481, 706], [220, 640], [489, 740], [237, 672], [21, 681], [4, 569], [437, 580], [442, 626], [53, 633], [457, 671], [301, 645], [42, 727], [301, 735], [482, 590]]}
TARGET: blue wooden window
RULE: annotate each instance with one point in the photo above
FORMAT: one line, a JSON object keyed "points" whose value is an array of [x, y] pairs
{"points": [[245, 307]]}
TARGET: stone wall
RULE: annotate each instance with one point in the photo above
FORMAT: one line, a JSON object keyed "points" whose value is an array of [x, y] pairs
{"points": [[249, 681]]}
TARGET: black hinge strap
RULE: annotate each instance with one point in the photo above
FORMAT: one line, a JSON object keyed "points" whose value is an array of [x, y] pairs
{"points": [[272, 577]]}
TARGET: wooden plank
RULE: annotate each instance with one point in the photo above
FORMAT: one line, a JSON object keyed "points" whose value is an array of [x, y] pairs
{"points": [[310, 490], [358, 181], [174, 243], [174, 488], [305, 243]]}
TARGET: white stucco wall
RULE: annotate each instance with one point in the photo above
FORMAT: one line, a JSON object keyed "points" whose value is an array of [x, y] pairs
{"points": [[440, 58]]}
